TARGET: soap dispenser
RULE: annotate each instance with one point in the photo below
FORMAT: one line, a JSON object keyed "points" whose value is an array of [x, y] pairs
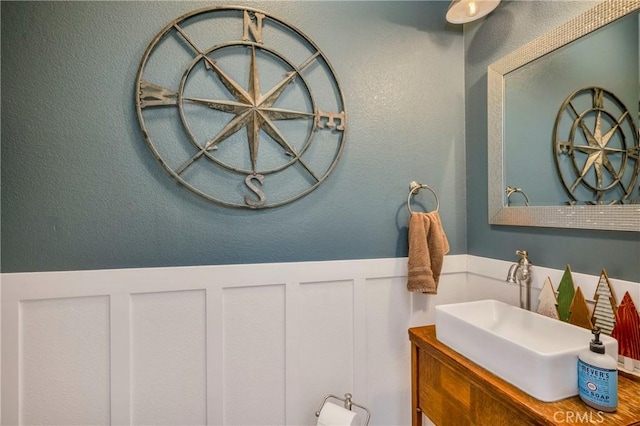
{"points": [[598, 376]]}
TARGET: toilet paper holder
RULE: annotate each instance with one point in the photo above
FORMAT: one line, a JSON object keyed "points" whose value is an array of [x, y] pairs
{"points": [[348, 403]]}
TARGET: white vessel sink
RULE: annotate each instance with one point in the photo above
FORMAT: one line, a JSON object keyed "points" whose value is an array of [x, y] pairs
{"points": [[537, 354]]}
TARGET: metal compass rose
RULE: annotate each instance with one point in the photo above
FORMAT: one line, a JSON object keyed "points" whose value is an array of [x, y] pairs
{"points": [[281, 143], [596, 152]]}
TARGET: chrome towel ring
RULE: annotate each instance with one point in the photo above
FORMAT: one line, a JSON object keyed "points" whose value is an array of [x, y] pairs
{"points": [[414, 188], [509, 190]]}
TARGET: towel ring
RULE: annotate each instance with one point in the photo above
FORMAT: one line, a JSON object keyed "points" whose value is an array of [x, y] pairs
{"points": [[509, 190], [415, 187]]}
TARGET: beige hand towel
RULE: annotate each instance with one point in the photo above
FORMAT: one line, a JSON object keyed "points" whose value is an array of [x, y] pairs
{"points": [[427, 246]]}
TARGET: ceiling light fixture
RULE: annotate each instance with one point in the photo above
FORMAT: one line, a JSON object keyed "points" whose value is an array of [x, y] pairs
{"points": [[463, 11]]}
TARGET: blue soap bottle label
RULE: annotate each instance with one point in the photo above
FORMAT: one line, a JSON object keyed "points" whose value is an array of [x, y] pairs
{"points": [[598, 385]]}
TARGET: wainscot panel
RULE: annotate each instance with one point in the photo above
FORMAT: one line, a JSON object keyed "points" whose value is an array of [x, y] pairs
{"points": [[239, 344], [233, 345]]}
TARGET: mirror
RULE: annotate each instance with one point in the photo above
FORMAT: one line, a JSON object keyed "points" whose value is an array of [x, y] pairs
{"points": [[520, 129]]}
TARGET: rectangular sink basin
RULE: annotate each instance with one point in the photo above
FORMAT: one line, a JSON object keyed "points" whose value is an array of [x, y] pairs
{"points": [[537, 354]]}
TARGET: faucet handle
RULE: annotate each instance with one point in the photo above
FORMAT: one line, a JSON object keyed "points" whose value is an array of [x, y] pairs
{"points": [[525, 256]]}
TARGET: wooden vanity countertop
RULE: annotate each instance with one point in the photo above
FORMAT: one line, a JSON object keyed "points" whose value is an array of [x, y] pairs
{"points": [[568, 411]]}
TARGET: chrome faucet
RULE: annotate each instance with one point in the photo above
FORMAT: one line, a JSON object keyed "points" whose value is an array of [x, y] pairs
{"points": [[520, 273]]}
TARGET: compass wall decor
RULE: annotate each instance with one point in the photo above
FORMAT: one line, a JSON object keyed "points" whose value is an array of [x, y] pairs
{"points": [[596, 148], [240, 107]]}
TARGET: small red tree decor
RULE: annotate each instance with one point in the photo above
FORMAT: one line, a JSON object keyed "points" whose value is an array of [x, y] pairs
{"points": [[627, 328]]}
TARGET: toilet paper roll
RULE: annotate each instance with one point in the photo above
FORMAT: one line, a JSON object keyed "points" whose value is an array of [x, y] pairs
{"points": [[334, 415]]}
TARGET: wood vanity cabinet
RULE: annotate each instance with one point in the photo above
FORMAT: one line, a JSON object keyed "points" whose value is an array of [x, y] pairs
{"points": [[454, 391]]}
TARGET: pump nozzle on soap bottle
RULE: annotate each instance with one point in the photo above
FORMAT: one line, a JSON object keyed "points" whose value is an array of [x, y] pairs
{"points": [[596, 345]]}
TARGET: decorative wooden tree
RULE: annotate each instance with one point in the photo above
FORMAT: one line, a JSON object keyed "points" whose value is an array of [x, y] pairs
{"points": [[547, 301], [580, 314], [604, 311], [566, 292], [627, 328]]}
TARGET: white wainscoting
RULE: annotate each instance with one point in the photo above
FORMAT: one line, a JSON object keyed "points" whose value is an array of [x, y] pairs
{"points": [[257, 344]]}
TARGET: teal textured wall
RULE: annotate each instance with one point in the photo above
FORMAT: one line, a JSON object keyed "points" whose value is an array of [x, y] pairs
{"points": [[512, 25], [81, 190]]}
